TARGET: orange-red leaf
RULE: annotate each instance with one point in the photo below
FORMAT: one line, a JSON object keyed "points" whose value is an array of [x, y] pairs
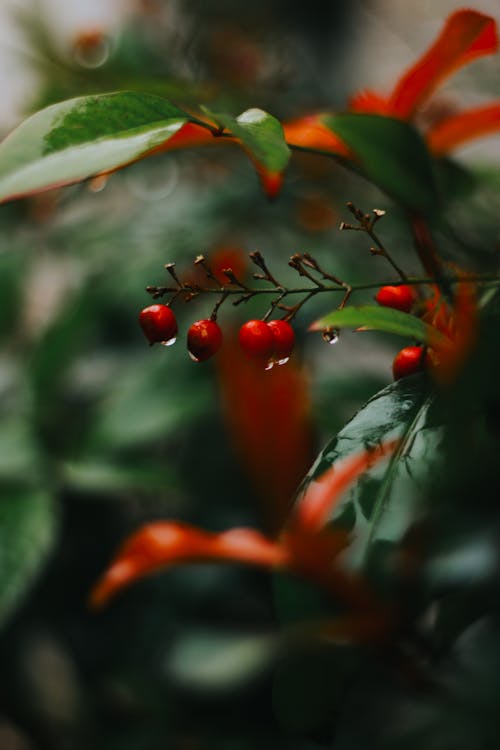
{"points": [[369, 103], [271, 182], [188, 136], [269, 419], [460, 323], [309, 132], [164, 543], [458, 129], [466, 35]]}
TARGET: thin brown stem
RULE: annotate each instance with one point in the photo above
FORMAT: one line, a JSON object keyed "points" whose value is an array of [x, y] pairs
{"points": [[366, 224], [220, 301], [484, 280], [257, 258]]}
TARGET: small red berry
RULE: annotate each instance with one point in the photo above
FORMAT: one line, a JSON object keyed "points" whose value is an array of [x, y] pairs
{"points": [[399, 297], [204, 339], [284, 339], [256, 339], [158, 324], [408, 361]]}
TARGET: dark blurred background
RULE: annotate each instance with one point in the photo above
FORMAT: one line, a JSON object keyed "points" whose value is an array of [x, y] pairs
{"points": [[100, 433]]}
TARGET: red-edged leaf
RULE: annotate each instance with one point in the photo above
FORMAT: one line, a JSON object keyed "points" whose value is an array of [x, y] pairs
{"points": [[271, 182], [466, 35], [323, 494], [164, 543], [80, 138], [268, 417], [311, 133], [458, 129]]}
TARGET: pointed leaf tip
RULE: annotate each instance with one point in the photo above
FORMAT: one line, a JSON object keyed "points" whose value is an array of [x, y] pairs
{"points": [[262, 137], [371, 317]]}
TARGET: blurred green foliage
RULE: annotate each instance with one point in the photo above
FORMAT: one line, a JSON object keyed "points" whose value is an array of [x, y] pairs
{"points": [[100, 433]]}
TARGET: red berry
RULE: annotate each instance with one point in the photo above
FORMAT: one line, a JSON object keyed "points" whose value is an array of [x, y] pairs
{"points": [[399, 297], [408, 361], [158, 324], [284, 339], [204, 338], [256, 339]]}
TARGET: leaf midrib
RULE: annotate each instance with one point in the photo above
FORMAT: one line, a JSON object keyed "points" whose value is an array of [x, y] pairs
{"points": [[383, 495]]}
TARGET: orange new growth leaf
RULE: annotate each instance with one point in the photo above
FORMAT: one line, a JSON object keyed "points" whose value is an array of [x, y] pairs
{"points": [[271, 182], [466, 36], [268, 415], [463, 127], [459, 324], [190, 135], [309, 132], [305, 547], [369, 103], [323, 494], [164, 543]]}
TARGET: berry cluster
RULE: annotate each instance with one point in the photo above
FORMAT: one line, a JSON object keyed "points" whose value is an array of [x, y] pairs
{"points": [[271, 343], [267, 342]]}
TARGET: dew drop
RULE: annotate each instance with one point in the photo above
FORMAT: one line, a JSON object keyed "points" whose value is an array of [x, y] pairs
{"points": [[91, 49], [269, 365], [330, 335], [97, 184], [195, 359], [283, 361], [169, 342]]}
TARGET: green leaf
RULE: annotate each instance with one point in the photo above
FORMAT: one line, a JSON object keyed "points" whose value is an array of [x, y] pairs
{"points": [[393, 156], [373, 317], [82, 137], [262, 135], [19, 452], [105, 477], [381, 506], [204, 660], [152, 399], [27, 532]]}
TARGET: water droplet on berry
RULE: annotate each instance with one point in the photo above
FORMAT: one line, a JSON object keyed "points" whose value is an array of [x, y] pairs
{"points": [[283, 360], [169, 342], [191, 356], [269, 365], [330, 335]]}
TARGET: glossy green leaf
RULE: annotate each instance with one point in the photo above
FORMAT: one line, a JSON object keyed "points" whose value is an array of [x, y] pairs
{"points": [[27, 531], [82, 137], [373, 317], [262, 135], [392, 155], [380, 507]]}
